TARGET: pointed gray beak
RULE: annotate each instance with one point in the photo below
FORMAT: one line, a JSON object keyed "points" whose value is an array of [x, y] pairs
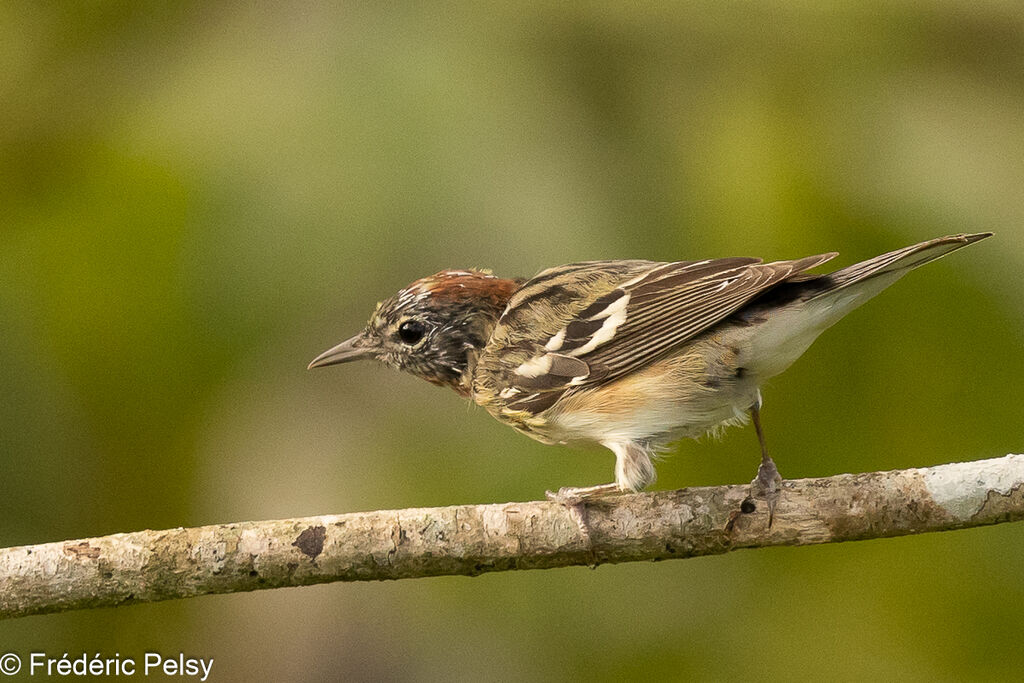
{"points": [[356, 348]]}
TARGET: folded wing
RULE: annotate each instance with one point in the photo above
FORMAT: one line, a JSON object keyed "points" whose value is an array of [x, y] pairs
{"points": [[652, 309]]}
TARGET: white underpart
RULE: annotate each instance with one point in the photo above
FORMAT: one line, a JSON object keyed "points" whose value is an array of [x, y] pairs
{"points": [[666, 418], [774, 345], [614, 315]]}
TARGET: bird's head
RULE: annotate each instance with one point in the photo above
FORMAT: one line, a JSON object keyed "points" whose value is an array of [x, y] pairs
{"points": [[433, 328]]}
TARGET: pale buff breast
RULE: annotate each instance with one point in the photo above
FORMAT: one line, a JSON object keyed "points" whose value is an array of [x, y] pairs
{"points": [[686, 395]]}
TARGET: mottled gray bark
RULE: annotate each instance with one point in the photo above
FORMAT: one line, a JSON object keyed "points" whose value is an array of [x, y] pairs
{"points": [[146, 566]]}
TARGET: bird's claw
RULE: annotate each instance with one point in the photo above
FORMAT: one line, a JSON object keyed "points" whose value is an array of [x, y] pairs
{"points": [[573, 502], [567, 496], [767, 486]]}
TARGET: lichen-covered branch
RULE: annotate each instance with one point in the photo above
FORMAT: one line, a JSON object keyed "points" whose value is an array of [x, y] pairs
{"points": [[146, 566]]}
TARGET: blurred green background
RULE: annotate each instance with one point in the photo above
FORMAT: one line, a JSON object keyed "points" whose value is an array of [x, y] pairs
{"points": [[197, 198]]}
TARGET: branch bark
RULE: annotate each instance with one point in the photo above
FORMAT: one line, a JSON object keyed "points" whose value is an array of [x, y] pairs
{"points": [[147, 566]]}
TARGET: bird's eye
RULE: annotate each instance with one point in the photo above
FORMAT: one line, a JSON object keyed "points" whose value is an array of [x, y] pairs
{"points": [[411, 331]]}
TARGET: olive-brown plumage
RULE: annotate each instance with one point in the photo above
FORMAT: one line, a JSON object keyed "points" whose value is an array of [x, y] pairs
{"points": [[628, 354]]}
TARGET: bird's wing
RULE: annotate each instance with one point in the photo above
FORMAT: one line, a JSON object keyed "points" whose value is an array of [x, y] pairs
{"points": [[611, 318]]}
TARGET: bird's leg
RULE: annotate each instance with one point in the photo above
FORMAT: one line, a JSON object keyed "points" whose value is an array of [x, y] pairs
{"points": [[633, 472], [768, 481]]}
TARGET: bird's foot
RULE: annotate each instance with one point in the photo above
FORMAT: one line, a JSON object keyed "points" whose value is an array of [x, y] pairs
{"points": [[767, 486], [575, 500], [571, 496]]}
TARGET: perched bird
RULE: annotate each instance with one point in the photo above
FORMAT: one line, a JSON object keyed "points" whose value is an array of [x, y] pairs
{"points": [[629, 354]]}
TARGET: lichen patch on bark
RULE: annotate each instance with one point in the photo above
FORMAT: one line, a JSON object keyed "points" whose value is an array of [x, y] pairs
{"points": [[962, 488]]}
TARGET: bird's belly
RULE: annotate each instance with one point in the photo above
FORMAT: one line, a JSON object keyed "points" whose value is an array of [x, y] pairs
{"points": [[656, 422], [684, 396]]}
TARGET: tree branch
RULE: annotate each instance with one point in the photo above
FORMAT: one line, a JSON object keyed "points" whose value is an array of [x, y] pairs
{"points": [[147, 566]]}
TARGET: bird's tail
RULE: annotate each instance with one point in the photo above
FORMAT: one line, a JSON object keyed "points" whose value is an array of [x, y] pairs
{"points": [[895, 264], [792, 315]]}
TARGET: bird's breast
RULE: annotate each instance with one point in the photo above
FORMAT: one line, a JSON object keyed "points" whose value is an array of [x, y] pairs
{"points": [[687, 394]]}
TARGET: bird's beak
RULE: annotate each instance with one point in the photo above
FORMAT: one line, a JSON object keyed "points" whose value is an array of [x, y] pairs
{"points": [[356, 348]]}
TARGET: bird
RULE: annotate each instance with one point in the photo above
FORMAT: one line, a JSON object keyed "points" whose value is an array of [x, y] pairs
{"points": [[629, 354]]}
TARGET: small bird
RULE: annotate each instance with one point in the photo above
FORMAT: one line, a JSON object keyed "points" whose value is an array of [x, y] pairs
{"points": [[632, 355]]}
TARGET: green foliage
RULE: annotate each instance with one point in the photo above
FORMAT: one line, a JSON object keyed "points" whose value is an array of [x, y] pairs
{"points": [[198, 200]]}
